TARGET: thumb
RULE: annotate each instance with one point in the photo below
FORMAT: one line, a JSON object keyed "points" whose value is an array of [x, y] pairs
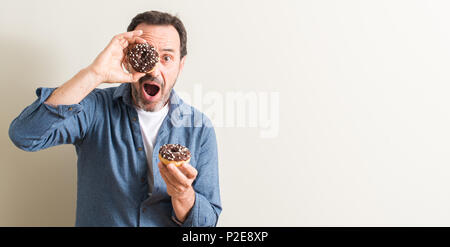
{"points": [[136, 76], [129, 77]]}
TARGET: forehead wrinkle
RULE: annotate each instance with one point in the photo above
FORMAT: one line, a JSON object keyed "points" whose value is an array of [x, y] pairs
{"points": [[158, 39], [162, 37], [162, 45]]}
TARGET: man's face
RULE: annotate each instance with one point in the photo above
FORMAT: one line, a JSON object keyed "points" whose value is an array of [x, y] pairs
{"points": [[152, 91]]}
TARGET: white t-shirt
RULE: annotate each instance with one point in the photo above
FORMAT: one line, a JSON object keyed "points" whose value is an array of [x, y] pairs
{"points": [[150, 123]]}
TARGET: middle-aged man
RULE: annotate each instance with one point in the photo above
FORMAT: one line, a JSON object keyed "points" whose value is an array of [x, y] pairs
{"points": [[118, 131]]}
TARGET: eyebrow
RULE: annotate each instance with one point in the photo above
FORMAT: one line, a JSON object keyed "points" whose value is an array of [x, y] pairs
{"points": [[169, 50]]}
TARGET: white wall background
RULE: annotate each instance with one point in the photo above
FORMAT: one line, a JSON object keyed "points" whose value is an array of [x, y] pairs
{"points": [[364, 118]]}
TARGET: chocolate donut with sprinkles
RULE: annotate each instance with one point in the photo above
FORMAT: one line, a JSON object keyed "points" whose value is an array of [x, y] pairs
{"points": [[142, 57], [174, 153]]}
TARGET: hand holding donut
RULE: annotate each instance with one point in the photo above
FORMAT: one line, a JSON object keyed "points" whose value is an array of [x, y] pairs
{"points": [[108, 64], [178, 179], [176, 170]]}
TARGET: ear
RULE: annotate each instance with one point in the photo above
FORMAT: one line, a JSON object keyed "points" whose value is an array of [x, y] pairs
{"points": [[182, 64]]}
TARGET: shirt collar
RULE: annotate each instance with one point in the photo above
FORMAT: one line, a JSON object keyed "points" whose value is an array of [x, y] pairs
{"points": [[124, 91]]}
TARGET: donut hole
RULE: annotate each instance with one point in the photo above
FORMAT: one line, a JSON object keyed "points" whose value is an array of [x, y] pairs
{"points": [[145, 55], [142, 57]]}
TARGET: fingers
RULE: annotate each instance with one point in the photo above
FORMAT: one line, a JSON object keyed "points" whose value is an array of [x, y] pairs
{"points": [[130, 74], [178, 176], [175, 176], [183, 172], [132, 77], [124, 77], [124, 42], [124, 39], [111, 59], [136, 76], [131, 34], [188, 170], [128, 35], [137, 40], [164, 172], [132, 37]]}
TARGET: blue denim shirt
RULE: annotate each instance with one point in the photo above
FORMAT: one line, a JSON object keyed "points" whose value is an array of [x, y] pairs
{"points": [[115, 186]]}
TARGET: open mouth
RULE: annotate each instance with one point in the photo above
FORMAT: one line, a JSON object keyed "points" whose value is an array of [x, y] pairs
{"points": [[151, 89]]}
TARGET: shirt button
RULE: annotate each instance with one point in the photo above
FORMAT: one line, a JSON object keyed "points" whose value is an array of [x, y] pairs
{"points": [[139, 149], [133, 119], [70, 108], [143, 210], [142, 180]]}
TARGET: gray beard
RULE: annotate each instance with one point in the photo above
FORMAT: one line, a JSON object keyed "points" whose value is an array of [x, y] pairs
{"points": [[139, 100]]}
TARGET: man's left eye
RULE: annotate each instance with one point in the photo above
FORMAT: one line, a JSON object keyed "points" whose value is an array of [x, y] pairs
{"points": [[167, 58]]}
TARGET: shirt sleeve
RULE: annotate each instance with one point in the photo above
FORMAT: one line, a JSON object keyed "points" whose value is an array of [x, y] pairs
{"points": [[41, 126], [207, 205]]}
